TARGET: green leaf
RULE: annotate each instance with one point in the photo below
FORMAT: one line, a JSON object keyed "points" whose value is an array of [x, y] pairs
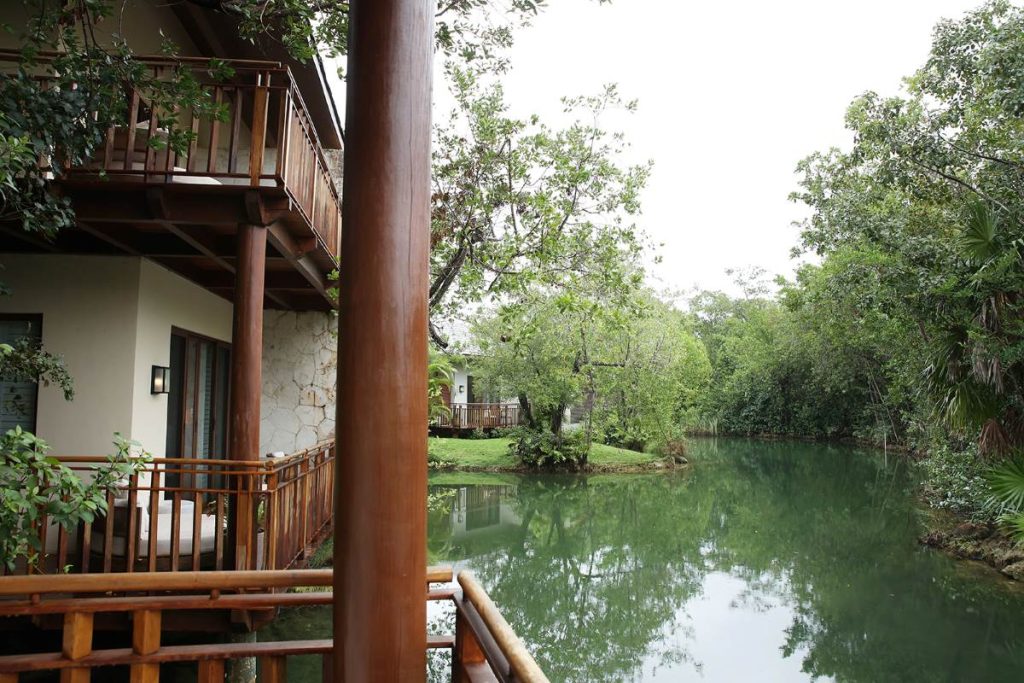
{"points": [[979, 235]]}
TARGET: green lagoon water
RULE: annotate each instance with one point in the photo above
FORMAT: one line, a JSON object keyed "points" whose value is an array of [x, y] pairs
{"points": [[759, 562]]}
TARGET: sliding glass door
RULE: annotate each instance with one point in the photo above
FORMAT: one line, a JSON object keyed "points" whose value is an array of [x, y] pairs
{"points": [[197, 404]]}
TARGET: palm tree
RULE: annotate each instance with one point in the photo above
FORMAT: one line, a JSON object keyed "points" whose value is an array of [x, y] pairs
{"points": [[1006, 481], [976, 375]]}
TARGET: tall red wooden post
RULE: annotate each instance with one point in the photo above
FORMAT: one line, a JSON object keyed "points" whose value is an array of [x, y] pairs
{"points": [[246, 383], [380, 524]]}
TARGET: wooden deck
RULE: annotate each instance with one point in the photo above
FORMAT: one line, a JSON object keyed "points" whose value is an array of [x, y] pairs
{"points": [[470, 416], [484, 647], [181, 515]]}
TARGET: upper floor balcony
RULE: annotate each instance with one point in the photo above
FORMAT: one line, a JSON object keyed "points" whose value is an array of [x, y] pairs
{"points": [[260, 162]]}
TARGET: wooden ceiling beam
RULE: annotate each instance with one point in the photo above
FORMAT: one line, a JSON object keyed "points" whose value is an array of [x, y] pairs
{"points": [[202, 242], [196, 237], [100, 203], [115, 241], [219, 279], [287, 246]]}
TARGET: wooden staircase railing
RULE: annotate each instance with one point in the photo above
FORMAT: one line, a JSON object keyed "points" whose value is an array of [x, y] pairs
{"points": [[484, 646]]}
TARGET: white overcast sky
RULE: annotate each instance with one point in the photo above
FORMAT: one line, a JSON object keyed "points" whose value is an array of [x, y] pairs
{"points": [[731, 96]]}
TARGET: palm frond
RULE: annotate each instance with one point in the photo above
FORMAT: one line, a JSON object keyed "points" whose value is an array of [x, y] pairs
{"points": [[1014, 525], [1006, 481], [967, 404], [979, 236]]}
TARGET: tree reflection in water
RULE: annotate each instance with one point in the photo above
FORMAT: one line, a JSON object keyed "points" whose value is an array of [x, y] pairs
{"points": [[800, 560]]}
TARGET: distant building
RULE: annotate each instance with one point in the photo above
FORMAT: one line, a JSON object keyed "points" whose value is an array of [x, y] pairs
{"points": [[471, 406]]}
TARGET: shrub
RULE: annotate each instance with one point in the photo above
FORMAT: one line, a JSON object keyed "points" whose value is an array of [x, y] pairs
{"points": [[505, 432], [671, 444], [633, 439], [673, 448], [955, 481], [543, 449], [33, 484]]}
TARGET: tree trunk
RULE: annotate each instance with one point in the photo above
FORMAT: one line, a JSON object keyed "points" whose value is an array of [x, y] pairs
{"points": [[556, 419], [524, 405]]}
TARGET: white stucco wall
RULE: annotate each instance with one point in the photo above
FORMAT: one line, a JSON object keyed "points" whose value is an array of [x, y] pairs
{"points": [[110, 317], [167, 300], [90, 307], [300, 357], [460, 378]]}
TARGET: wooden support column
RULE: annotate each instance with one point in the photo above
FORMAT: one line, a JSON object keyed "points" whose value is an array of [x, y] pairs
{"points": [[381, 483], [246, 385]]}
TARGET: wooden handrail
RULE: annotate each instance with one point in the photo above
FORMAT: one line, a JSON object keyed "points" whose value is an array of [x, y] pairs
{"points": [[11, 54], [39, 584], [519, 658], [476, 658], [43, 584], [480, 415], [260, 464]]}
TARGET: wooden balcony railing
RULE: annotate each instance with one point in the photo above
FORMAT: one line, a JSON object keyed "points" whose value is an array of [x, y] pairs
{"points": [[180, 514], [267, 141], [480, 416], [484, 647]]}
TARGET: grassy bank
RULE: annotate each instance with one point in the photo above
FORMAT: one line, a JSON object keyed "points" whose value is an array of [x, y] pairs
{"points": [[492, 455]]}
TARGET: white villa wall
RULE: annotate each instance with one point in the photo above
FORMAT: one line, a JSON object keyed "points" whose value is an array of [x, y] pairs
{"points": [[460, 378], [89, 306], [300, 357], [110, 318], [167, 300]]}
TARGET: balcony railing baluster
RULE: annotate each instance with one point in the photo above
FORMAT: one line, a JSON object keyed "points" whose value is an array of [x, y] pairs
{"points": [[161, 532]]}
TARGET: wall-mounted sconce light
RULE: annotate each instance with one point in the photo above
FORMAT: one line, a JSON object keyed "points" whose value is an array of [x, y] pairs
{"points": [[462, 388], [161, 381]]}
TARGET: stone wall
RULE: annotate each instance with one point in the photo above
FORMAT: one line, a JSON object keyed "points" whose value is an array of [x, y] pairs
{"points": [[299, 366]]}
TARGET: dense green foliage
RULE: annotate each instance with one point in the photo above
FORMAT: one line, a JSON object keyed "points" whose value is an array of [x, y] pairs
{"points": [[519, 206], [909, 329], [627, 362], [544, 449], [439, 379], [1006, 482]]}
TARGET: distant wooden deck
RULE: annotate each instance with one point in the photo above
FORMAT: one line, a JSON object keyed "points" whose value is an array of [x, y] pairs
{"points": [[470, 416]]}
